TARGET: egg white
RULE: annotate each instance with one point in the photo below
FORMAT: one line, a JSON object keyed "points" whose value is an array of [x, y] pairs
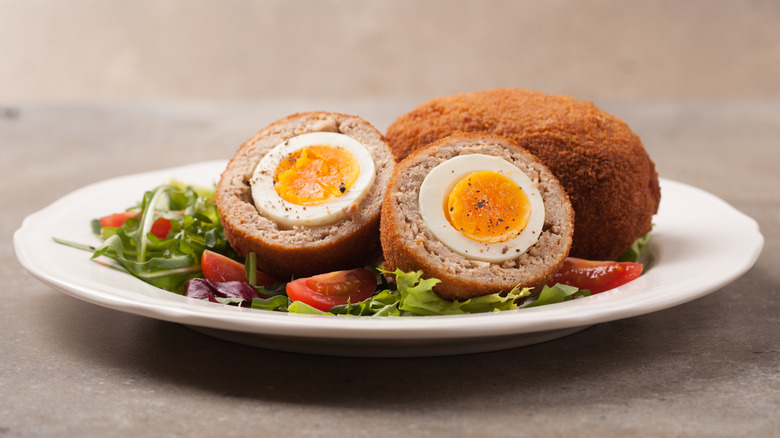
{"points": [[437, 186], [288, 215]]}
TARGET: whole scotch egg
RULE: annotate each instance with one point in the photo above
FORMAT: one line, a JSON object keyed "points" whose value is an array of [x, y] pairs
{"points": [[611, 180], [477, 212]]}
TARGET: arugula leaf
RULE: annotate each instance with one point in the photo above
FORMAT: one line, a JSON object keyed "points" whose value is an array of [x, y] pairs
{"points": [[96, 227], [557, 293], [169, 273], [384, 303], [148, 215], [76, 245], [168, 262], [278, 303]]}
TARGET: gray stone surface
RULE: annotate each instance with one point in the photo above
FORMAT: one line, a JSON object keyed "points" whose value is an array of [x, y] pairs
{"points": [[68, 368], [250, 49]]}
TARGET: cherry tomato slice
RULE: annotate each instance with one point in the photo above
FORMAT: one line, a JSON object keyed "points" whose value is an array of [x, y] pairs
{"points": [[596, 276], [161, 227], [334, 288], [217, 267], [117, 219]]}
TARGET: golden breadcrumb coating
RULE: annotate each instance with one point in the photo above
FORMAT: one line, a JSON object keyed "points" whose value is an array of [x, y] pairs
{"points": [[602, 164]]}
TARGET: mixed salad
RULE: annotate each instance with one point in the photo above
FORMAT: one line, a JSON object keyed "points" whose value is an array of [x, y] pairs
{"points": [[173, 239]]}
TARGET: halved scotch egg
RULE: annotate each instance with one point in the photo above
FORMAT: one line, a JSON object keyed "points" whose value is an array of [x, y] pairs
{"points": [[304, 194], [477, 212]]}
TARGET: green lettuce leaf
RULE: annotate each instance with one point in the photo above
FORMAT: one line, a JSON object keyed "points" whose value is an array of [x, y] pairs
{"points": [[171, 261], [496, 302], [277, 303], [557, 293], [413, 296], [301, 307], [633, 253]]}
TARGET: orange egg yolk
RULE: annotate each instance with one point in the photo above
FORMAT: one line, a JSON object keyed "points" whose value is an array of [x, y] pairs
{"points": [[315, 174], [488, 207]]}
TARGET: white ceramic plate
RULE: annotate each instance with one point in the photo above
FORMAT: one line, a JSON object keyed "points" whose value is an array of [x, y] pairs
{"points": [[699, 244]]}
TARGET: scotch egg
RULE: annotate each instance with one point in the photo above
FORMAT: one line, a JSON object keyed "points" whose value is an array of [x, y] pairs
{"points": [[477, 212], [304, 194], [603, 165]]}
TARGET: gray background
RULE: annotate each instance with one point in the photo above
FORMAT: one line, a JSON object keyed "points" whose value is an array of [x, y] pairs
{"points": [[90, 50]]}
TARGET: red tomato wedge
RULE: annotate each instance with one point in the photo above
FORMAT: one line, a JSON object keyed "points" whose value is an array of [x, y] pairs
{"points": [[217, 267], [117, 219], [334, 288], [596, 276], [160, 227]]}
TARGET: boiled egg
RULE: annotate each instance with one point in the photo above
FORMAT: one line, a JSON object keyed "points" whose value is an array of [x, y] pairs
{"points": [[312, 179], [482, 207]]}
